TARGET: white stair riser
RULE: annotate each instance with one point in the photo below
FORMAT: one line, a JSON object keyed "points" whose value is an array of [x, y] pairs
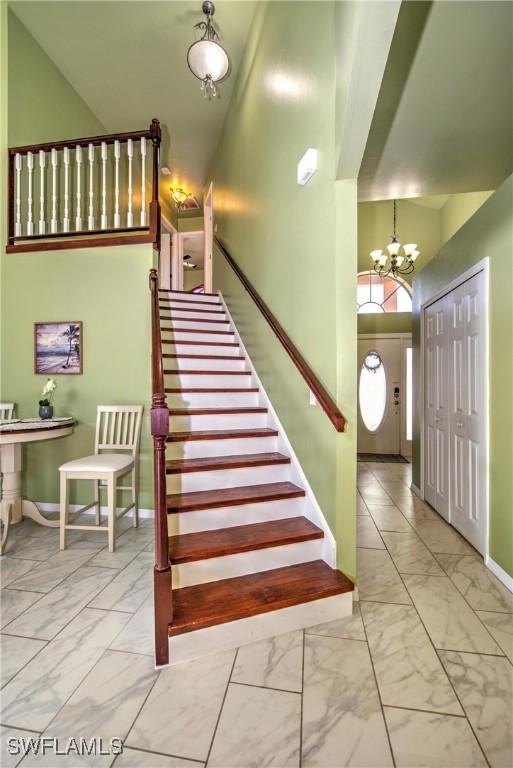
{"points": [[227, 478], [230, 566], [200, 349], [196, 449], [203, 313], [203, 364], [193, 297], [213, 400], [196, 324], [201, 380], [181, 335], [205, 642], [227, 517], [219, 421], [183, 306]]}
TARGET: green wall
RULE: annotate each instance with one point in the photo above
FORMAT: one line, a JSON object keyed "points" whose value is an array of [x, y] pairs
{"points": [[488, 234], [388, 322], [105, 288], [457, 210], [296, 244], [190, 224], [43, 106]]}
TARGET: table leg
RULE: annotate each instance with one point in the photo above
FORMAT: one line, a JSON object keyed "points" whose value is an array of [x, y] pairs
{"points": [[10, 464], [5, 514], [29, 509]]}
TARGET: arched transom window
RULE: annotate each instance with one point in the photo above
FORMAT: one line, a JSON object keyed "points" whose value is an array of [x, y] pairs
{"points": [[382, 294]]}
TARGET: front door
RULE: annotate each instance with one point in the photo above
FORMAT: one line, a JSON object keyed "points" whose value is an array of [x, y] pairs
{"points": [[379, 395]]}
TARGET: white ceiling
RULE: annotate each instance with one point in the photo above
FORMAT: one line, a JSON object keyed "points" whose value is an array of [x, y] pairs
{"points": [[444, 118], [127, 60]]}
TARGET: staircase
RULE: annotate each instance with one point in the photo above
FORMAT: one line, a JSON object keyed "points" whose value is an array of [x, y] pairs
{"points": [[250, 552]]}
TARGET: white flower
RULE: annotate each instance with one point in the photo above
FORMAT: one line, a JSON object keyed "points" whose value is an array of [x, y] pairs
{"points": [[49, 387]]}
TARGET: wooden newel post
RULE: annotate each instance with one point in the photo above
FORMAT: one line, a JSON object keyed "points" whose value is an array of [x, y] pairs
{"points": [[155, 138], [159, 431]]}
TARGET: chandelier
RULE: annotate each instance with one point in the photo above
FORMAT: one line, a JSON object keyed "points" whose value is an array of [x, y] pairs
{"points": [[399, 264], [179, 196], [207, 59]]}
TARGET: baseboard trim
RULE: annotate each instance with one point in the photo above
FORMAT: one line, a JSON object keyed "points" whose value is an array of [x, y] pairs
{"points": [[501, 574], [416, 490], [49, 506]]}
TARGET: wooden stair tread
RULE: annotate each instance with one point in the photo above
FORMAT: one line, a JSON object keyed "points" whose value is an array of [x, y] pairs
{"points": [[190, 301], [180, 356], [180, 466], [194, 320], [190, 547], [176, 390], [187, 293], [193, 330], [219, 602], [231, 497], [208, 372], [212, 411], [221, 434]]}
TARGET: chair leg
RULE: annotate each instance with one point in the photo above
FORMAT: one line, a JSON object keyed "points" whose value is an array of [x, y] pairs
{"points": [[97, 501], [64, 511], [135, 495], [111, 509]]}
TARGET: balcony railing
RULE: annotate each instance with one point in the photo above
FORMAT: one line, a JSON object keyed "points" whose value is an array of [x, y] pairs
{"points": [[100, 190]]}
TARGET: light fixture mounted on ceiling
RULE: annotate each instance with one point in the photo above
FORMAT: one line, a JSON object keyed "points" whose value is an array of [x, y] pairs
{"points": [[179, 196], [207, 59], [397, 260], [188, 263]]}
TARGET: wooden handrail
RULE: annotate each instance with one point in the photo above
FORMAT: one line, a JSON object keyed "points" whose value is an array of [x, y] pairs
{"points": [[320, 392], [159, 431], [108, 138]]}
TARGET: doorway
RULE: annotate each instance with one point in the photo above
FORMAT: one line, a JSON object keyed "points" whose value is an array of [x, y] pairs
{"points": [[385, 394], [188, 265], [455, 407]]}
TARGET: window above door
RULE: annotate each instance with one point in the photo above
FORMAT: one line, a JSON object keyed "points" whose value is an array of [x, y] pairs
{"points": [[377, 294]]}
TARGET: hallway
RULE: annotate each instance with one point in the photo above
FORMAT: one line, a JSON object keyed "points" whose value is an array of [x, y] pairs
{"points": [[421, 675]]}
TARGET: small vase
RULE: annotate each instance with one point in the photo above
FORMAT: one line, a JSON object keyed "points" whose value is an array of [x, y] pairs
{"points": [[45, 411]]}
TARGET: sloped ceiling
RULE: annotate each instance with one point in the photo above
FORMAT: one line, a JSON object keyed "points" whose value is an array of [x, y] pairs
{"points": [[127, 60], [444, 118]]}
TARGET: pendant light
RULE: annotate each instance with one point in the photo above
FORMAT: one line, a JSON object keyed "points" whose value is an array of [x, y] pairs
{"points": [[399, 264], [207, 59]]}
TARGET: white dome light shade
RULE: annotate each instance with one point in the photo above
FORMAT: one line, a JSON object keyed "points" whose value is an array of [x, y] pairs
{"points": [[207, 60]]}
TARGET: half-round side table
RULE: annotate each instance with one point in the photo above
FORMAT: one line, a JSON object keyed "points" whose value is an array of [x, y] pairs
{"points": [[13, 507]]}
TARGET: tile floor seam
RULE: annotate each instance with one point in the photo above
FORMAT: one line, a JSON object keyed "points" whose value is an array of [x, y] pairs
{"points": [[378, 693], [145, 698], [163, 754], [221, 708], [264, 687], [302, 702]]}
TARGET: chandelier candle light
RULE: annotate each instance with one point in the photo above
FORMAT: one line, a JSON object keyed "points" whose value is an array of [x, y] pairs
{"points": [[399, 264], [207, 59]]}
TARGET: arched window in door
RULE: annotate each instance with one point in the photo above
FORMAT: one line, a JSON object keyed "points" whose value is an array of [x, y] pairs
{"points": [[377, 294]]}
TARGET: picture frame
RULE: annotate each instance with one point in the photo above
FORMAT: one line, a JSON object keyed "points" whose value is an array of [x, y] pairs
{"points": [[58, 348]]}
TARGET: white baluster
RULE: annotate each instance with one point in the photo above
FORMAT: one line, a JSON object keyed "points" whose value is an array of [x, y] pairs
{"points": [[18, 166], [78, 161], [53, 221], [143, 182], [65, 221], [117, 153], [130, 153], [42, 165], [103, 219], [90, 218], [30, 202]]}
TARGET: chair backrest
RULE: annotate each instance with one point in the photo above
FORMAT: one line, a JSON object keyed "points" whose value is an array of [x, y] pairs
{"points": [[118, 428], [7, 411]]}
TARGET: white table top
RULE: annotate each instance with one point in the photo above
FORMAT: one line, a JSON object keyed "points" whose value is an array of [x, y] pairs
{"points": [[30, 430]]}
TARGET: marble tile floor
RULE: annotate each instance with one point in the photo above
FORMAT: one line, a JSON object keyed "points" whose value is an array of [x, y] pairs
{"points": [[421, 676]]}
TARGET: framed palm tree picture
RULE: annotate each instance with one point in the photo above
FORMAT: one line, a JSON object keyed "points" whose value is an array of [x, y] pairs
{"points": [[58, 348]]}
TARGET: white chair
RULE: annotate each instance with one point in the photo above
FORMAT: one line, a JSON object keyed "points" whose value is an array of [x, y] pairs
{"points": [[118, 428], [7, 411]]}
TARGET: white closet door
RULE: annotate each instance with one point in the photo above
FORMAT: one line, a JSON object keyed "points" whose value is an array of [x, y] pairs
{"points": [[467, 311], [436, 409]]}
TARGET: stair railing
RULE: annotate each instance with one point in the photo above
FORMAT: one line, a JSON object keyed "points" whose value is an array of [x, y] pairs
{"points": [[85, 192], [321, 394], [159, 431]]}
